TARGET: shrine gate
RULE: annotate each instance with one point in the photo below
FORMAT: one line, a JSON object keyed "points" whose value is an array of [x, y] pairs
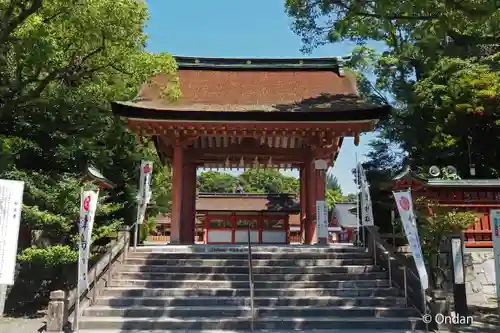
{"points": [[244, 113]]}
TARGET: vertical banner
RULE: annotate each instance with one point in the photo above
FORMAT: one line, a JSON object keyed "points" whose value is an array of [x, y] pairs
{"points": [[495, 229], [145, 181], [366, 201], [322, 219], [11, 201], [144, 196], [405, 207], [88, 206]]}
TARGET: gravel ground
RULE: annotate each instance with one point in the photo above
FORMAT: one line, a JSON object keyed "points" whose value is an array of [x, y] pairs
{"points": [[22, 325]]}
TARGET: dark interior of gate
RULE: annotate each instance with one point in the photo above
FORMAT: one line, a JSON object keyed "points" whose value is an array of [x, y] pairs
{"points": [[250, 113]]}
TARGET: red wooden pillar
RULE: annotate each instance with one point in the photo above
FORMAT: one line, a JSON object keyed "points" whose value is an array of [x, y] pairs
{"points": [[310, 225], [188, 204], [320, 195], [177, 183], [303, 202]]}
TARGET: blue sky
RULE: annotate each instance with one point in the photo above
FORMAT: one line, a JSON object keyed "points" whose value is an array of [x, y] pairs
{"points": [[229, 28]]}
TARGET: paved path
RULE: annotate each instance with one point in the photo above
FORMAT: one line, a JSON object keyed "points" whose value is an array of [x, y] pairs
{"points": [[22, 325]]}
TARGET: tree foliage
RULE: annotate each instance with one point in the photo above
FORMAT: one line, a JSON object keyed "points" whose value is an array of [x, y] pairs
{"points": [[265, 181], [435, 225], [61, 62], [252, 180], [439, 70]]}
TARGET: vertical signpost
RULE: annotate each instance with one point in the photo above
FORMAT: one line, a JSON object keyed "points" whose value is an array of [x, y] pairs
{"points": [[322, 219], [11, 198], [495, 221], [321, 207], [459, 291], [366, 202], [88, 206]]}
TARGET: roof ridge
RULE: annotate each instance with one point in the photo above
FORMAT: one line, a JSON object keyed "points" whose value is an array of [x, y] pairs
{"points": [[248, 63]]}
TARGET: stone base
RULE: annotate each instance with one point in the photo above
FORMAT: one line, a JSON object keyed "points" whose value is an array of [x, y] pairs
{"points": [[322, 241], [480, 277]]}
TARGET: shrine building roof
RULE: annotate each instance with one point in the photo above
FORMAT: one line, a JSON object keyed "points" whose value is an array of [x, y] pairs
{"points": [[409, 177], [247, 202], [244, 89]]}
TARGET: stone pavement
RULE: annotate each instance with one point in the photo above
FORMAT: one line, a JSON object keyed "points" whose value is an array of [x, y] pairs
{"points": [[485, 321], [22, 325]]}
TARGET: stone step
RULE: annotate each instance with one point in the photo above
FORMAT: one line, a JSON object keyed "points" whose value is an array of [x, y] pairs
{"points": [[244, 262], [244, 255], [244, 277], [258, 284], [260, 312], [243, 323], [248, 331], [274, 269], [231, 292], [245, 301], [332, 248]]}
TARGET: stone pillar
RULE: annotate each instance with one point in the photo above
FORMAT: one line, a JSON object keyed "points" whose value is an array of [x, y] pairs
{"points": [[177, 184], [303, 203], [57, 315], [310, 226], [320, 195], [188, 204]]}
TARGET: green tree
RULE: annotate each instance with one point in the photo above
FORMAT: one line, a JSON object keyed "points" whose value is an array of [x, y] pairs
{"points": [[61, 62], [217, 182], [333, 191], [438, 70], [268, 181]]}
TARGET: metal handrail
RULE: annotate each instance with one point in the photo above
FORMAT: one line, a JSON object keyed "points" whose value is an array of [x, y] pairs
{"points": [[392, 257], [250, 279]]}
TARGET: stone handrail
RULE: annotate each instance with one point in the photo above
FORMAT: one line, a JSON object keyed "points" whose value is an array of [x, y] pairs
{"points": [[62, 305]]}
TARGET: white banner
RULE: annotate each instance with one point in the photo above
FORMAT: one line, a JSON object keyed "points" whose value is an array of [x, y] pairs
{"points": [[495, 228], [145, 182], [405, 208], [322, 219], [11, 202], [88, 206], [366, 201]]}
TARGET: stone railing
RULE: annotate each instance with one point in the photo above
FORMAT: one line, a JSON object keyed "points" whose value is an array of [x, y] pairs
{"points": [[406, 278], [62, 304]]}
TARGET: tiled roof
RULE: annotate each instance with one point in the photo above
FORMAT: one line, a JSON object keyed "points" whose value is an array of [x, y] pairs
{"points": [[233, 85], [247, 202]]}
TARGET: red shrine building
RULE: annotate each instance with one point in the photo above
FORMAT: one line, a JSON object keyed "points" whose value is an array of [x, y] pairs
{"points": [[475, 195], [224, 218], [251, 113]]}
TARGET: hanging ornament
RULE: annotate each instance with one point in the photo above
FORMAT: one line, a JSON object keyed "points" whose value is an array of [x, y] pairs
{"points": [[256, 162]]}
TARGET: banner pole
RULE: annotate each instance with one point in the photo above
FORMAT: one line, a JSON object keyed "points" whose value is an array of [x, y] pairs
{"points": [[358, 193], [136, 224], [79, 269]]}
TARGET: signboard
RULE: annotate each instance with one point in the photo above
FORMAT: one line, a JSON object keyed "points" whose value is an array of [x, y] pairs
{"points": [[495, 237], [405, 207], [11, 201], [88, 206], [458, 264], [366, 201], [322, 218]]}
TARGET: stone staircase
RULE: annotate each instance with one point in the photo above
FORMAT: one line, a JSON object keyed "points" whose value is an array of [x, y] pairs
{"points": [[206, 288]]}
